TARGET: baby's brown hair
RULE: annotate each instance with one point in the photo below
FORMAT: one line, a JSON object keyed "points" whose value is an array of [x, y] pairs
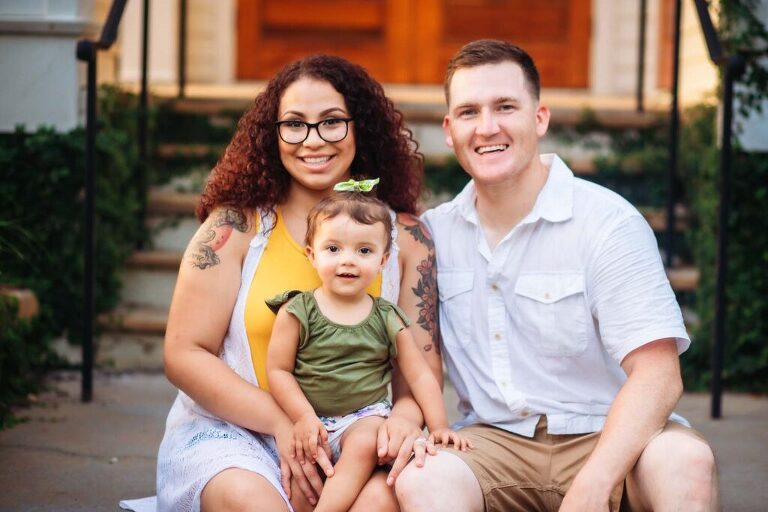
{"points": [[361, 207]]}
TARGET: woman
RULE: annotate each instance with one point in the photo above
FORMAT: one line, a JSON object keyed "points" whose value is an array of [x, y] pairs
{"points": [[226, 440]]}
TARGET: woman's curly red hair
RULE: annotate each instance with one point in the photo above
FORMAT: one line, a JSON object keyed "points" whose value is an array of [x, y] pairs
{"points": [[250, 174]]}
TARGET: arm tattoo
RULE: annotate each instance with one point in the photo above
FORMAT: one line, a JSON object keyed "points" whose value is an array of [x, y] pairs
{"points": [[426, 287], [215, 236]]}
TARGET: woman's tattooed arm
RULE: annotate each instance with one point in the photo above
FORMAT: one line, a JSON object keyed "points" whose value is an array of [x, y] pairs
{"points": [[214, 234]]}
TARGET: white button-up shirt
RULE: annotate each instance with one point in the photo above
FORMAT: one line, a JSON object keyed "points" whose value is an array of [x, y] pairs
{"points": [[540, 323]]}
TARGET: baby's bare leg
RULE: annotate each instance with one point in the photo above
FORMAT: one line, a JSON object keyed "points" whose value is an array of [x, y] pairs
{"points": [[354, 467]]}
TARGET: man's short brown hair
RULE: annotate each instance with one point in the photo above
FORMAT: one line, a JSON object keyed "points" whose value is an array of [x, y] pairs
{"points": [[493, 51]]}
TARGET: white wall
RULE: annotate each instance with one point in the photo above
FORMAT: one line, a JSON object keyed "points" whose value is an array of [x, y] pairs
{"points": [[698, 75], [614, 50], [212, 41], [753, 133], [211, 26], [162, 63], [40, 78]]}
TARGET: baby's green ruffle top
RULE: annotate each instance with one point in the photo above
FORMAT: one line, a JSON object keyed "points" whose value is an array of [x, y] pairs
{"points": [[342, 368]]}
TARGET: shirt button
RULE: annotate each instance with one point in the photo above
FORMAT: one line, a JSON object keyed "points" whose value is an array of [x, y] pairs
{"points": [[524, 413], [546, 295], [497, 336], [494, 287], [503, 384]]}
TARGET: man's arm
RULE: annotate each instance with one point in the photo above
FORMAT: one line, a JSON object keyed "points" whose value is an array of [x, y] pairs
{"points": [[418, 298], [640, 410]]}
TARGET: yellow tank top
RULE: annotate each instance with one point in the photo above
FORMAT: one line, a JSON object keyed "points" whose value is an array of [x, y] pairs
{"points": [[283, 266]]}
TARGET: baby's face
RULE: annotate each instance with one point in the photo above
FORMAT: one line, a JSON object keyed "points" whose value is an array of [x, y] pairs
{"points": [[348, 255]]}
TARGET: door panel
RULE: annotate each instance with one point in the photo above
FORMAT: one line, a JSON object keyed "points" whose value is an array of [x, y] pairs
{"points": [[411, 41]]}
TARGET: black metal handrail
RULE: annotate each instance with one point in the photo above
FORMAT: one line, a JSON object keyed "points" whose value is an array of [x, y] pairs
{"points": [[733, 67], [87, 51]]}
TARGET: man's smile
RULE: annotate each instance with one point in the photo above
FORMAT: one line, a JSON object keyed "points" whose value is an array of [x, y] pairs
{"points": [[491, 149]]}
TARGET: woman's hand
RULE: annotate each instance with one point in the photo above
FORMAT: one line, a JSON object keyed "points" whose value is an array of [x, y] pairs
{"points": [[306, 476], [308, 434], [289, 466], [396, 444], [446, 436]]}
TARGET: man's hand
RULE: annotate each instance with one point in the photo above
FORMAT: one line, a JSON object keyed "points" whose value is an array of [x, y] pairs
{"points": [[396, 443], [585, 497]]}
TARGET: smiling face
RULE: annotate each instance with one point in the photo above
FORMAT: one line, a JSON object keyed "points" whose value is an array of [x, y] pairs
{"points": [[494, 123], [315, 165], [347, 254]]}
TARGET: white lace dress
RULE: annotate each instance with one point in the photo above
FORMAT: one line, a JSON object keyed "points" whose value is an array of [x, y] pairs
{"points": [[197, 445]]}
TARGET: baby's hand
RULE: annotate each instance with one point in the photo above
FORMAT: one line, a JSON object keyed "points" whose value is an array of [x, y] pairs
{"points": [[446, 436], [308, 433]]}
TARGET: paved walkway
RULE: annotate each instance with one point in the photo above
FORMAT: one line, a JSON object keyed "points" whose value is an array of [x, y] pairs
{"points": [[71, 457]]}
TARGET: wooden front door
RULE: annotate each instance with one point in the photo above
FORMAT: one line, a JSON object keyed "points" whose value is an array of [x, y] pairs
{"points": [[411, 41]]}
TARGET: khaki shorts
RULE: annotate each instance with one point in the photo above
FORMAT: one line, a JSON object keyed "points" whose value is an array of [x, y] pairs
{"points": [[517, 473]]}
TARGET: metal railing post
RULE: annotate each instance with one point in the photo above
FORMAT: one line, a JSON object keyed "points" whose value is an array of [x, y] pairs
{"points": [[87, 51], [674, 124], [640, 94], [141, 172], [732, 69], [182, 47]]}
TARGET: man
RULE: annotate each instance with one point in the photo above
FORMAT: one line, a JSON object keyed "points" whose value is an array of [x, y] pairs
{"points": [[560, 331]]}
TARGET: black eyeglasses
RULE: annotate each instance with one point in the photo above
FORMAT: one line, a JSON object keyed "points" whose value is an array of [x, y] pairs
{"points": [[330, 130]]}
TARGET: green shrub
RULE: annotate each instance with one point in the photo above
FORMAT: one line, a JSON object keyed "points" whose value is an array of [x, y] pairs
{"points": [[23, 358], [41, 223], [746, 299]]}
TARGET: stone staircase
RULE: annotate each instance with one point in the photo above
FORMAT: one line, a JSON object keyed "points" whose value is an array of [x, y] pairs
{"points": [[132, 335]]}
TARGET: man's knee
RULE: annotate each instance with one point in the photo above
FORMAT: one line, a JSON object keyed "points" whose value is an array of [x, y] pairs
{"points": [[698, 465], [445, 482], [685, 455], [678, 467]]}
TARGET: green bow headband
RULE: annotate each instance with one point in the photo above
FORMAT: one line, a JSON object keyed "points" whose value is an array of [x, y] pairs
{"points": [[356, 186]]}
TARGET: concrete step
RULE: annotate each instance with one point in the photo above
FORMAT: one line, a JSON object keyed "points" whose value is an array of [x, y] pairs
{"points": [[657, 218], [134, 318], [176, 235], [189, 151], [131, 339], [683, 279], [149, 277], [167, 202], [118, 351], [172, 233], [426, 103], [580, 154], [133, 334], [171, 219]]}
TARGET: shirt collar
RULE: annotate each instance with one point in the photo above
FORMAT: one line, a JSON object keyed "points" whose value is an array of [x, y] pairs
{"points": [[555, 201], [465, 203]]}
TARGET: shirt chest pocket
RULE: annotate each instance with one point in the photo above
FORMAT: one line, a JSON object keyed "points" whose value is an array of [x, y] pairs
{"points": [[551, 312], [455, 291]]}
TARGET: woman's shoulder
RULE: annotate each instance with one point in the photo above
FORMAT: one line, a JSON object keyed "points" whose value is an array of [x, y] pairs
{"points": [[226, 231]]}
